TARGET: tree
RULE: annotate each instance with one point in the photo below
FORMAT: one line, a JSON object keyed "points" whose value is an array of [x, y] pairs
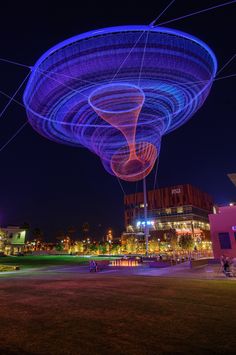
{"points": [[153, 245], [186, 242], [102, 249], [131, 245], [115, 248], [172, 239], [79, 247], [3, 240]]}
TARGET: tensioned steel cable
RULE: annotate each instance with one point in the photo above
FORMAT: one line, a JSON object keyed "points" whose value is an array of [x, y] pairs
{"points": [[162, 13], [13, 96], [14, 62], [14, 136], [226, 64], [197, 12]]}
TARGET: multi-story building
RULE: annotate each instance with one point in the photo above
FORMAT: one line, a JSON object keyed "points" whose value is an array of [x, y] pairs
{"points": [[12, 240], [182, 208]]}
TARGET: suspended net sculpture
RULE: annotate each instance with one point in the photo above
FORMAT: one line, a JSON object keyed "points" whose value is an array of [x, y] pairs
{"points": [[117, 91]]}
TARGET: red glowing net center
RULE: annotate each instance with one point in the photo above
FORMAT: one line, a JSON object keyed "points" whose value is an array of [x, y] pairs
{"points": [[120, 106]]}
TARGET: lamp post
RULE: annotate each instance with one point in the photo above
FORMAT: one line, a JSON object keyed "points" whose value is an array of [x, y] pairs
{"points": [[146, 232]]}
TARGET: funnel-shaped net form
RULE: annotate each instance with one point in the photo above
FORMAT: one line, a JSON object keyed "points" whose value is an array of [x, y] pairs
{"points": [[117, 91]]}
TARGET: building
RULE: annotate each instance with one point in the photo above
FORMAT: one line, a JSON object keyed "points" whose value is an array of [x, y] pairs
{"points": [[12, 240], [181, 208], [223, 231]]}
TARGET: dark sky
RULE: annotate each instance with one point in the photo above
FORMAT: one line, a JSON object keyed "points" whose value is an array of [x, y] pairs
{"points": [[52, 186]]}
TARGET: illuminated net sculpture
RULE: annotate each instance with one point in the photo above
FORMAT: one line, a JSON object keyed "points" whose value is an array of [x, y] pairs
{"points": [[117, 91]]}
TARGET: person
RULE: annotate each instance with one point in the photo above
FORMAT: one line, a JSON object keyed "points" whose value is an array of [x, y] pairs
{"points": [[90, 266], [227, 264], [93, 266], [222, 262]]}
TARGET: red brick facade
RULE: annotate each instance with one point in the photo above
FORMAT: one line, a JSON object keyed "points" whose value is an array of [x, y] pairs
{"points": [[167, 197]]}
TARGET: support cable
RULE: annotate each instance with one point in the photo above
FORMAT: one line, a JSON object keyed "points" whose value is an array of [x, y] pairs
{"points": [[16, 63], [162, 13], [121, 185], [9, 97], [13, 96], [121, 65], [143, 56], [14, 136], [155, 177], [197, 12], [226, 64]]}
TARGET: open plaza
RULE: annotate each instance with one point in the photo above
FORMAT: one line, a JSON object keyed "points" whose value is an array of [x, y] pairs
{"points": [[55, 305], [118, 178]]}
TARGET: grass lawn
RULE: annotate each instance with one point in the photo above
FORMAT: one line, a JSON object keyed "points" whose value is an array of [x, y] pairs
{"points": [[45, 260], [104, 314]]}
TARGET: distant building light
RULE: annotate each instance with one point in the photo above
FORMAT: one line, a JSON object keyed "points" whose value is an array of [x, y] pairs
{"points": [[231, 204], [142, 205], [234, 228]]}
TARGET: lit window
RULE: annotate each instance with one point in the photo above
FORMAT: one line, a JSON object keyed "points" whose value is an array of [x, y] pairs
{"points": [[142, 205], [180, 210]]}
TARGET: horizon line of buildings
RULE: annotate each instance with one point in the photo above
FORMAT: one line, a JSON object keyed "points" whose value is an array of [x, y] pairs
{"points": [[179, 209]]}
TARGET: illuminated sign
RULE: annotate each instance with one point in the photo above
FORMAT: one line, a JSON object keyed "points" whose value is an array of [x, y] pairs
{"points": [[175, 191], [149, 223]]}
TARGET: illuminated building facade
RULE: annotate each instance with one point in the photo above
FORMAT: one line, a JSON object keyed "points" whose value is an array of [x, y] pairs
{"points": [[12, 240], [183, 209]]}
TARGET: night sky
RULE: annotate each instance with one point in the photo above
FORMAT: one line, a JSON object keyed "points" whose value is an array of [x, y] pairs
{"points": [[54, 187]]}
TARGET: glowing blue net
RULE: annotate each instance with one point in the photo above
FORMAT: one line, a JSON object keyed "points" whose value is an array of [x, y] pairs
{"points": [[81, 92]]}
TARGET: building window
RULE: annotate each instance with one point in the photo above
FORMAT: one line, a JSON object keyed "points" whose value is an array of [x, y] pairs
{"points": [[180, 210], [224, 240]]}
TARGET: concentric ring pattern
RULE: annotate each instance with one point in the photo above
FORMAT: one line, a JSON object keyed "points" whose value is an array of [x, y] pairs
{"points": [[167, 74]]}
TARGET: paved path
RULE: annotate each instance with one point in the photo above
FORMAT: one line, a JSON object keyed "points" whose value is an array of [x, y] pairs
{"points": [[77, 271]]}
